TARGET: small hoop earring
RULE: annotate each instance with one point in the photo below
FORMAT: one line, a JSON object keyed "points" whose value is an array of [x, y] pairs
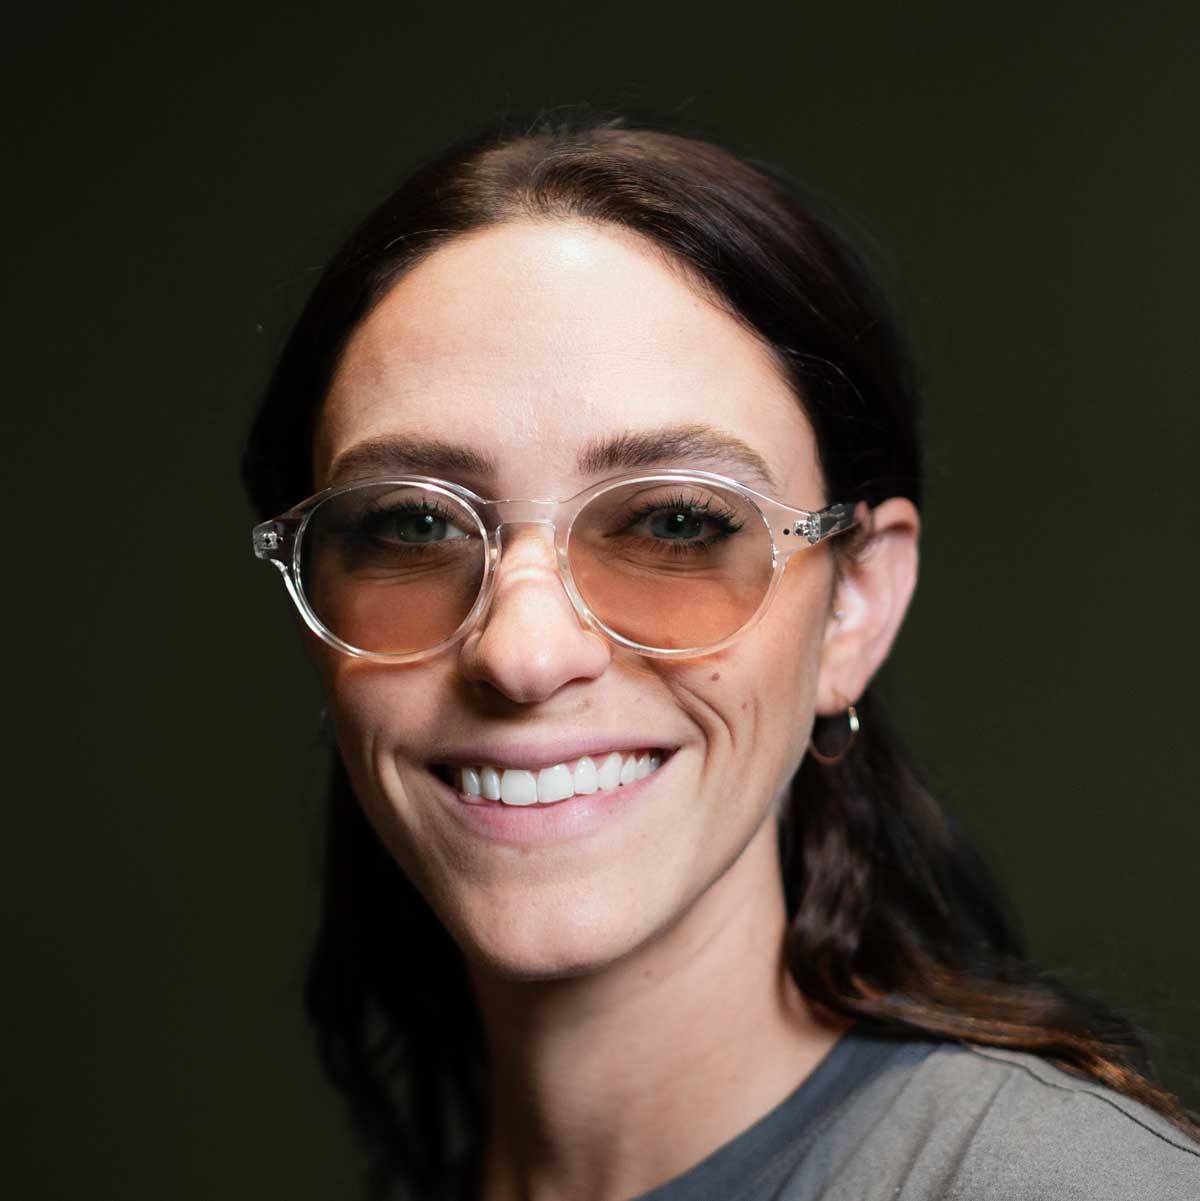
{"points": [[820, 757]]}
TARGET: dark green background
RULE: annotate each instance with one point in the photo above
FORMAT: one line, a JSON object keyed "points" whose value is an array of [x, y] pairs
{"points": [[176, 177]]}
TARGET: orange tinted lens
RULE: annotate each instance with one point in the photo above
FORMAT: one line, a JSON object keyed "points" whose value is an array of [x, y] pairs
{"points": [[672, 564], [392, 570]]}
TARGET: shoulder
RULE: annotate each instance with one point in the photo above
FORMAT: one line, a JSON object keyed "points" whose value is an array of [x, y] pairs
{"points": [[976, 1122]]}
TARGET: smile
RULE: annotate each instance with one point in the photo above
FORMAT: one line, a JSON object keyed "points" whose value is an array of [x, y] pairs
{"points": [[548, 785]]}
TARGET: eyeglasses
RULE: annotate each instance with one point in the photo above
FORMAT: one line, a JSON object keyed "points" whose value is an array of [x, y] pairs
{"points": [[670, 563]]}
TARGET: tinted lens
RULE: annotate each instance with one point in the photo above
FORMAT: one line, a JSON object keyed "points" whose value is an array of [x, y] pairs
{"points": [[671, 564], [392, 569]]}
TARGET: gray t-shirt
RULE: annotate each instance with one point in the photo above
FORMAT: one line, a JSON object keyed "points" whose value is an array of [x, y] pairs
{"points": [[925, 1121]]}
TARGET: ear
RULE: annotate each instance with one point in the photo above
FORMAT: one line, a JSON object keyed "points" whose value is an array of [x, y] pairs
{"points": [[869, 603]]}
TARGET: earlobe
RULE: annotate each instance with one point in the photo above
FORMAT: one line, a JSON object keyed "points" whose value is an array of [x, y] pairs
{"points": [[873, 595]]}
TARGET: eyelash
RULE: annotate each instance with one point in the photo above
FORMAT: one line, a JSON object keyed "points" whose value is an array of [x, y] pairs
{"points": [[376, 515], [724, 519]]}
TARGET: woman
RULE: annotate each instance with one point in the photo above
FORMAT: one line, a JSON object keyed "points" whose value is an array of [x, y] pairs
{"points": [[610, 460]]}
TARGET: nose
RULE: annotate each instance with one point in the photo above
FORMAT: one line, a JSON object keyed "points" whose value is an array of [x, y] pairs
{"points": [[531, 641]]}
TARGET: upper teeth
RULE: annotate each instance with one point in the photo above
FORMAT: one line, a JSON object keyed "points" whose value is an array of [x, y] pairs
{"points": [[516, 786]]}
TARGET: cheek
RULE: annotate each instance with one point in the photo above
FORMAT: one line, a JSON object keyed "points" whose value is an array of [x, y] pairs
{"points": [[363, 694], [765, 687], [383, 714], [386, 719]]}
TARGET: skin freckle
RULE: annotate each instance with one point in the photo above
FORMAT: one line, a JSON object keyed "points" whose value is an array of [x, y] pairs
{"points": [[716, 675]]}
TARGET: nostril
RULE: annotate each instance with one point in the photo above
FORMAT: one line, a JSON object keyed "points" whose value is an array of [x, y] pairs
{"points": [[527, 668]]}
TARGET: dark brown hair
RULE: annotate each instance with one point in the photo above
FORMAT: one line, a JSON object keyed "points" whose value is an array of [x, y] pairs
{"points": [[894, 920]]}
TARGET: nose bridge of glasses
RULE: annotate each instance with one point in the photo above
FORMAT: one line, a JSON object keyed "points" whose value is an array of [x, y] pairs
{"points": [[498, 513], [526, 550]]}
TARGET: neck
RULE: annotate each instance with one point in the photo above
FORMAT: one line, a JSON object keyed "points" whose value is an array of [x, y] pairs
{"points": [[606, 1085]]}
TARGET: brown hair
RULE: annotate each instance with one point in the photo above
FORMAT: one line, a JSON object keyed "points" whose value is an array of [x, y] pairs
{"points": [[894, 919]]}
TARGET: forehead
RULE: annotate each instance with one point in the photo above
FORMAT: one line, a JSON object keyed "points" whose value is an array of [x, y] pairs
{"points": [[531, 340]]}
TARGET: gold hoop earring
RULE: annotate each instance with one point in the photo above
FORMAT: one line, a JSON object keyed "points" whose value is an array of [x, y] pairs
{"points": [[820, 757]]}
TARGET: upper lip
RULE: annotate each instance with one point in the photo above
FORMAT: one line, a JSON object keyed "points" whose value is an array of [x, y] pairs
{"points": [[531, 755]]}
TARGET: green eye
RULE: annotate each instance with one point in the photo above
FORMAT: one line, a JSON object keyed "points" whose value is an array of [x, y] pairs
{"points": [[420, 527], [409, 525], [679, 525]]}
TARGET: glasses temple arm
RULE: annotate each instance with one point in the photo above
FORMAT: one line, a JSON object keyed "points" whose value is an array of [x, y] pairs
{"points": [[816, 527]]}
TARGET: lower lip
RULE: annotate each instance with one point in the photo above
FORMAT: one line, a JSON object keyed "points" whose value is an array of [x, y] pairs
{"points": [[575, 818]]}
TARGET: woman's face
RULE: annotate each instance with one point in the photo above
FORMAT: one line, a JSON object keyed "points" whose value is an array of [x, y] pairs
{"points": [[528, 344]]}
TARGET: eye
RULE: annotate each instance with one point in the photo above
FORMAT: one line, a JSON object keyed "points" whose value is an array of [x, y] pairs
{"points": [[680, 524], [669, 524], [410, 525]]}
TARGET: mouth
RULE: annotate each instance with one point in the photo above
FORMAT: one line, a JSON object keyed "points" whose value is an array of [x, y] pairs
{"points": [[541, 787]]}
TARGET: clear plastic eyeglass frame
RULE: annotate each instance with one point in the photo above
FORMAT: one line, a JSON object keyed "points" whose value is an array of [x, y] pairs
{"points": [[790, 529]]}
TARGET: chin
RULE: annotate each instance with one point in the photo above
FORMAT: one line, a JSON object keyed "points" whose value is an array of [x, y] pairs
{"points": [[548, 939]]}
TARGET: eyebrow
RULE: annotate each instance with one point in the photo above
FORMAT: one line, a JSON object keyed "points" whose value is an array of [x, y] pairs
{"points": [[695, 443], [420, 456]]}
